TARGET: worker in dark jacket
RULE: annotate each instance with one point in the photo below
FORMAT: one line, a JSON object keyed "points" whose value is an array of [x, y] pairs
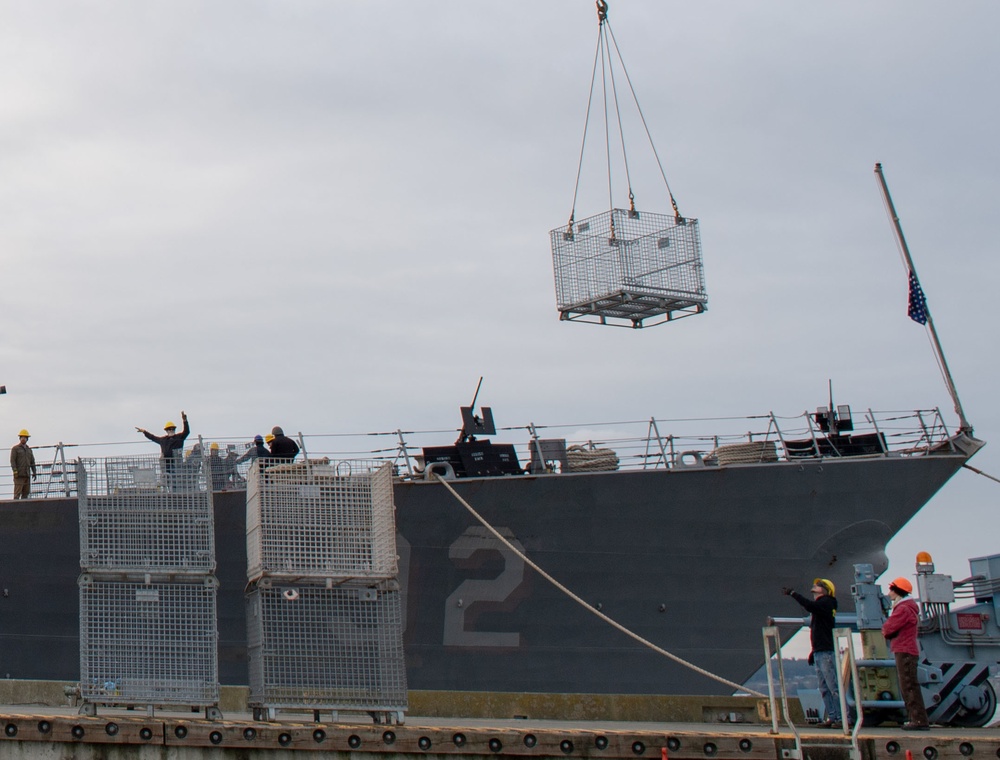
{"points": [[283, 447], [900, 630], [257, 451], [823, 608], [171, 442]]}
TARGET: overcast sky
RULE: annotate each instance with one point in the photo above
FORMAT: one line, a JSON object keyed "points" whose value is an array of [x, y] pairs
{"points": [[334, 217]]}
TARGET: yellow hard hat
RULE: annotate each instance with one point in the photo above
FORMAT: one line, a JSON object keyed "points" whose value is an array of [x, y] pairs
{"points": [[214, 446], [828, 585], [268, 438], [169, 425], [24, 434]]}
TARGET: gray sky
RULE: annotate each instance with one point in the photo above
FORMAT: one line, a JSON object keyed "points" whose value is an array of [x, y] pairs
{"points": [[335, 216]]}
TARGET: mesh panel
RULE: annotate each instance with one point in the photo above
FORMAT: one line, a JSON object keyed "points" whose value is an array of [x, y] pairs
{"points": [[142, 475], [320, 648], [149, 644], [651, 266], [321, 520], [137, 516]]}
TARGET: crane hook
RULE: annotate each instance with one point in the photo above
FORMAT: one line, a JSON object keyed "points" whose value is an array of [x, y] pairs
{"points": [[602, 11]]}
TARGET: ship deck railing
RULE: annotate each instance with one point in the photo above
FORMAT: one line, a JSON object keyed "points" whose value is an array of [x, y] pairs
{"points": [[649, 444]]}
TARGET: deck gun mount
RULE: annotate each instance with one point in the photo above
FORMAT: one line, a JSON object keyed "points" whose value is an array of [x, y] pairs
{"points": [[469, 457], [959, 648]]}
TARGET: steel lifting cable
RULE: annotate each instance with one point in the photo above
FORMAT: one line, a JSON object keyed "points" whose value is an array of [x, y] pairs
{"points": [[642, 118], [598, 56], [645, 642], [604, 48]]}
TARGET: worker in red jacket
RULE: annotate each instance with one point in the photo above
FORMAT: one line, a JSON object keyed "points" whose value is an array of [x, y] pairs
{"points": [[900, 630]]}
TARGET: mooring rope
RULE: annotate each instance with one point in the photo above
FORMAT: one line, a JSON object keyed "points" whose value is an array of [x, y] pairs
{"points": [[679, 660], [980, 472]]}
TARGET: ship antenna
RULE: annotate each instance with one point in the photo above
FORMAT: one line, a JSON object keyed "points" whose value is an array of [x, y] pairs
{"points": [[918, 309]]}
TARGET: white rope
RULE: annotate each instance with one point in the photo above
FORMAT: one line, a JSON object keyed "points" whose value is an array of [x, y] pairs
{"points": [[980, 472], [680, 661]]}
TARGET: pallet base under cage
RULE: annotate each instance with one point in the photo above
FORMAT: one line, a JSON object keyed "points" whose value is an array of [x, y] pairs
{"points": [[212, 711], [381, 716], [624, 309]]}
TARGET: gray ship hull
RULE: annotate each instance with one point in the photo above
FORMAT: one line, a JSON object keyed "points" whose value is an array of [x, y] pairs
{"points": [[691, 558]]}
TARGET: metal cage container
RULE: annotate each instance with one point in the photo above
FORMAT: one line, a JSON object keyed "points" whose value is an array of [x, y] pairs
{"points": [[148, 643], [148, 528], [321, 520], [319, 648], [623, 268], [122, 477]]}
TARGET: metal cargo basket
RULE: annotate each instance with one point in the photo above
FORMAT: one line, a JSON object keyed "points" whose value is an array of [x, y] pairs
{"points": [[623, 268], [148, 643], [131, 521], [326, 519], [326, 649]]}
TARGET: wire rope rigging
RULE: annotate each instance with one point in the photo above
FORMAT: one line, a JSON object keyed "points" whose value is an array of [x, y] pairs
{"points": [[622, 267]]}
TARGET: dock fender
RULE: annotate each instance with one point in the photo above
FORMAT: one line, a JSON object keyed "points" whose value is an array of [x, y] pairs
{"points": [[444, 469]]}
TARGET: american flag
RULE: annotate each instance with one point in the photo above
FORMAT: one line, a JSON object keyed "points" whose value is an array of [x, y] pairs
{"points": [[918, 303]]}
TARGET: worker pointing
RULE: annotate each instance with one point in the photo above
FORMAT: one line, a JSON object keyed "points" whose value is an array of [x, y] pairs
{"points": [[171, 442]]}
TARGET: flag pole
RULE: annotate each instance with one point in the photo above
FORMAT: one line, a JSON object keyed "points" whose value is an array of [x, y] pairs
{"points": [[919, 311]]}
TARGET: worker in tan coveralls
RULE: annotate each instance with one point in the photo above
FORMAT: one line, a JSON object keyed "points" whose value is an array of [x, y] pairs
{"points": [[22, 462]]}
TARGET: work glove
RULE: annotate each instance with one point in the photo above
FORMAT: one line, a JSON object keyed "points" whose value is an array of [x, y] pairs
{"points": [[34, 476], [786, 591], [15, 473]]}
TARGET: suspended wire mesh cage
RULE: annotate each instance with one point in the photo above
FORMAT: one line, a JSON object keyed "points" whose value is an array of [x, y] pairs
{"points": [[624, 268]]}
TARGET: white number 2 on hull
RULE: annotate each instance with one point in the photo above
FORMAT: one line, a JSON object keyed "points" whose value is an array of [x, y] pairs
{"points": [[476, 539]]}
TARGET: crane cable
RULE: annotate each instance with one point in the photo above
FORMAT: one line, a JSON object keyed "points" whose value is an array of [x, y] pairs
{"points": [[680, 661], [606, 42]]}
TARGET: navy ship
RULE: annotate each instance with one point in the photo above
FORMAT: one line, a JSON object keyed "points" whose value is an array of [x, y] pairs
{"points": [[685, 540]]}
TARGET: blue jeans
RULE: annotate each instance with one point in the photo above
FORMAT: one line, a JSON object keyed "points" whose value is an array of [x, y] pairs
{"points": [[826, 673]]}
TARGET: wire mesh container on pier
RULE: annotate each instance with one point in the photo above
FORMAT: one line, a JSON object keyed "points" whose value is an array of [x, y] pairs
{"points": [[623, 268], [121, 477], [320, 520], [318, 648], [148, 643], [135, 520]]}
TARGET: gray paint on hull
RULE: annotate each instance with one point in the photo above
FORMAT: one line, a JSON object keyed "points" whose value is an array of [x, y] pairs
{"points": [[712, 546]]}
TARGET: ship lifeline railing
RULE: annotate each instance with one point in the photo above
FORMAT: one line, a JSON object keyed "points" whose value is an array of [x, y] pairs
{"points": [[633, 445]]}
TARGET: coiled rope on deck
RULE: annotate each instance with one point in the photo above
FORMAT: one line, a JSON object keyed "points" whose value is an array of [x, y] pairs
{"points": [[613, 623]]}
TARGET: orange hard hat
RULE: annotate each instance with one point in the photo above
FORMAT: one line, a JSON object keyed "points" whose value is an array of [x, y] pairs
{"points": [[903, 585]]}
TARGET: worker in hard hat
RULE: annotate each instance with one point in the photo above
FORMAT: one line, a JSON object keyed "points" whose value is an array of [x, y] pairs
{"points": [[900, 630], [823, 608], [220, 468], [22, 462], [283, 447], [171, 442], [257, 450]]}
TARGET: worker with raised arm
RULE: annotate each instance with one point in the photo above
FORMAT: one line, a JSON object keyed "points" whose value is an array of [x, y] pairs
{"points": [[171, 442], [823, 608]]}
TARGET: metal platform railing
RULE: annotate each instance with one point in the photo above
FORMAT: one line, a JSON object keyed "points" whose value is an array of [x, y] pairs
{"points": [[637, 444]]}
